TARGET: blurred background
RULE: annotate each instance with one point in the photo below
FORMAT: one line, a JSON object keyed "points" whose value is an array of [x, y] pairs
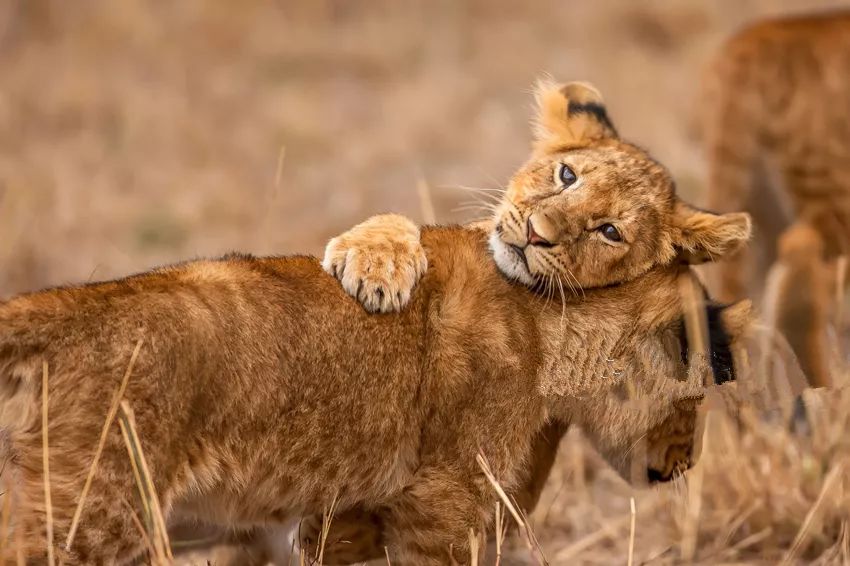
{"points": [[136, 133]]}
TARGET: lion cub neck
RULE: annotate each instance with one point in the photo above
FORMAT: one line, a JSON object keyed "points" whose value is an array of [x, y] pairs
{"points": [[575, 338]]}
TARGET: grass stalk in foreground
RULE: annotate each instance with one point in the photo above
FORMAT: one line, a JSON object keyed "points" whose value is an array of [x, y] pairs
{"points": [[110, 418], [150, 501], [48, 505]]}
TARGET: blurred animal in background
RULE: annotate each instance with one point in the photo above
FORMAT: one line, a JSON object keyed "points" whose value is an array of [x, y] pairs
{"points": [[776, 113]]}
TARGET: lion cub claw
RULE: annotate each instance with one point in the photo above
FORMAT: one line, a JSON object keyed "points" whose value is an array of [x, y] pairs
{"points": [[378, 262]]}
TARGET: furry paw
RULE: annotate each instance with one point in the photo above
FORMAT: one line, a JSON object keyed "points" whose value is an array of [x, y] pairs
{"points": [[354, 536], [378, 262]]}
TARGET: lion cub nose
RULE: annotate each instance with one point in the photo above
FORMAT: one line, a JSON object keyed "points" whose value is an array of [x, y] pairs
{"points": [[535, 239]]}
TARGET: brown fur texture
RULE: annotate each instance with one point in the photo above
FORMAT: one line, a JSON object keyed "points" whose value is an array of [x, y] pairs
{"points": [[546, 233], [263, 392], [776, 112]]}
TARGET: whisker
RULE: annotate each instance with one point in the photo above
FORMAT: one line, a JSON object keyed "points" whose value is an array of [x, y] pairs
{"points": [[480, 203], [563, 302], [476, 207], [635, 443], [493, 195], [547, 286], [493, 179], [580, 288], [480, 189]]}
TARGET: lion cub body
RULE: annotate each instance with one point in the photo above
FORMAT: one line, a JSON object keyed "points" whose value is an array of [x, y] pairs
{"points": [[263, 392], [776, 113]]}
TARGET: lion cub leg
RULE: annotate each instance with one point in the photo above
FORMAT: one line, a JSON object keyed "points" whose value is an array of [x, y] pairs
{"points": [[354, 536], [429, 523], [417, 528], [802, 301], [107, 533], [378, 262], [358, 535]]}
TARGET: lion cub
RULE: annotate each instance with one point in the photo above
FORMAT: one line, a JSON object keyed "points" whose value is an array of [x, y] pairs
{"points": [[776, 123], [586, 210], [262, 392]]}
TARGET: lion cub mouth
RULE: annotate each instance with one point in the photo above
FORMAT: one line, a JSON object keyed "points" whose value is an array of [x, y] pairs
{"points": [[511, 261]]}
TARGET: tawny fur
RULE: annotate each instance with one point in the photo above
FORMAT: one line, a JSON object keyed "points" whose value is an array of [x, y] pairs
{"points": [[263, 392], [776, 112]]}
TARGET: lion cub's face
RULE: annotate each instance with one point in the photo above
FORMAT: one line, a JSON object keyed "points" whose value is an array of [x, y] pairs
{"points": [[590, 210]]}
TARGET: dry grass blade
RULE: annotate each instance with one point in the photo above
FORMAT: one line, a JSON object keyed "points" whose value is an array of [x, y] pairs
{"points": [[488, 473], [474, 547], [48, 505], [269, 203], [520, 518], [500, 531], [429, 216], [278, 174], [110, 418], [19, 548], [697, 331], [608, 530], [5, 514], [146, 488], [841, 267], [801, 539], [327, 517], [531, 541], [138, 524], [695, 323], [632, 532], [690, 530]]}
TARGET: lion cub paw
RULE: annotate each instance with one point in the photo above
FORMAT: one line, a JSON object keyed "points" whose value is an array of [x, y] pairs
{"points": [[378, 261], [354, 536]]}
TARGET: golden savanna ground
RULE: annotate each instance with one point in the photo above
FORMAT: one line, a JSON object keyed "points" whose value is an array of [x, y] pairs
{"points": [[136, 133]]}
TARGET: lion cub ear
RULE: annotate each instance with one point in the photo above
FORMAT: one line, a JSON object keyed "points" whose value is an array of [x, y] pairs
{"points": [[701, 236], [569, 115]]}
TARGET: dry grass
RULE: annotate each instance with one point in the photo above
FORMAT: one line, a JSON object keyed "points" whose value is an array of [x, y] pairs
{"points": [[48, 523], [155, 522], [144, 132], [110, 417]]}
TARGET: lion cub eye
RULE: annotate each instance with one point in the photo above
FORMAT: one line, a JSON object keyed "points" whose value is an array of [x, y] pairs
{"points": [[566, 176], [610, 232]]}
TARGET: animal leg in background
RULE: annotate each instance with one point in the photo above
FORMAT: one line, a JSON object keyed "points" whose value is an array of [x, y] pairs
{"points": [[801, 309]]}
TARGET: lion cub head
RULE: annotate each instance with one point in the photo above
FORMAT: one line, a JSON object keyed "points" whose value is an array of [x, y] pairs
{"points": [[590, 210]]}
